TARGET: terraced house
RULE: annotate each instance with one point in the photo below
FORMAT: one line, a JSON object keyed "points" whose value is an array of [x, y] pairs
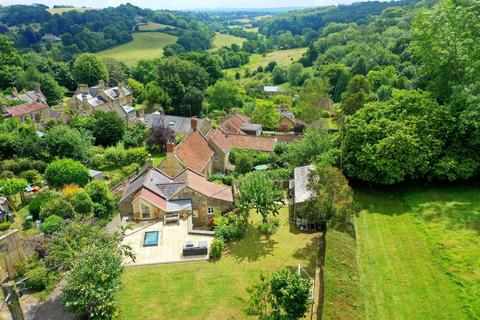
{"points": [[87, 100]]}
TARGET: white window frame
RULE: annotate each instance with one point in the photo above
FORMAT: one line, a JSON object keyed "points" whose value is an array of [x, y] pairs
{"points": [[210, 211]]}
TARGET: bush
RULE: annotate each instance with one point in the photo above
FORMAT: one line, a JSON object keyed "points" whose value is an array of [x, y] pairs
{"points": [[116, 155], [32, 176], [228, 228], [283, 127], [7, 174], [38, 201], [103, 202], [136, 155], [22, 164], [66, 171], [35, 270], [5, 225], [299, 127], [271, 227], [81, 202], [52, 224], [58, 206], [216, 248]]}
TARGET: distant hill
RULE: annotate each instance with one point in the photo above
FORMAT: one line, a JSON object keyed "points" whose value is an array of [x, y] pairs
{"points": [[317, 18]]}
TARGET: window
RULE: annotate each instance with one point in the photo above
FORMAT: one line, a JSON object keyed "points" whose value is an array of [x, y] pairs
{"points": [[215, 157], [210, 211], [145, 211]]}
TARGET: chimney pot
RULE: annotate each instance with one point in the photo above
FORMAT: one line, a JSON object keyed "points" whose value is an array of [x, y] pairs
{"points": [[170, 147], [101, 84], [194, 122], [37, 87], [15, 92]]}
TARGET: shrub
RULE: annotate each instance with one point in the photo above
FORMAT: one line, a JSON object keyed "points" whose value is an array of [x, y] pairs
{"points": [[216, 248], [81, 202], [7, 174], [103, 202], [32, 176], [271, 226], [58, 206], [22, 164], [5, 225], [299, 127], [66, 171], [116, 155], [38, 201], [136, 155], [52, 224], [228, 228]]}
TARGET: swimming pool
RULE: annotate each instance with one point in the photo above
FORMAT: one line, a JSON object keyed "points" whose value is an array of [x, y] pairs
{"points": [[150, 239]]}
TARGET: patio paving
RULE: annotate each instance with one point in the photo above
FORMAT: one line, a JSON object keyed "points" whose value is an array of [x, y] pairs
{"points": [[171, 239]]}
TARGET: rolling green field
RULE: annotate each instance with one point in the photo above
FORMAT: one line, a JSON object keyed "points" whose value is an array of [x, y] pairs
{"points": [[215, 290], [282, 57], [153, 26], [145, 45], [226, 40], [62, 10], [418, 252]]}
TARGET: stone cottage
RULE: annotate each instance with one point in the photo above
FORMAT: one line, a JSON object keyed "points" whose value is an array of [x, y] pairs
{"points": [[155, 195], [87, 100]]}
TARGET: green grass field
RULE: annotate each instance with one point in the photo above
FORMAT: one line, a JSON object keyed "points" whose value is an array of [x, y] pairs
{"points": [[226, 40], [145, 45], [282, 57], [62, 10], [214, 290], [153, 26], [419, 252]]}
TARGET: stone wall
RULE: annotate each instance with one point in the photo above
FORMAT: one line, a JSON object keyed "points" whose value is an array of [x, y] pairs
{"points": [[201, 203], [13, 251]]}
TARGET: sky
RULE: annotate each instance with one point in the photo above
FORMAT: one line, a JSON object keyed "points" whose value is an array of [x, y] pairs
{"points": [[188, 4]]}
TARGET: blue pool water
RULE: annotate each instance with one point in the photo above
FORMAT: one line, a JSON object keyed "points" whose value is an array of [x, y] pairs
{"points": [[151, 239]]}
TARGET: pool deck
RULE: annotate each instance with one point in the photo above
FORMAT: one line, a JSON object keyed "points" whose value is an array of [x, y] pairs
{"points": [[171, 239]]}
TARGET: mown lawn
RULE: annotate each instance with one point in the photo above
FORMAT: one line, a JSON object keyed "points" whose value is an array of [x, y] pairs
{"points": [[419, 252], [215, 290], [226, 40], [145, 45]]}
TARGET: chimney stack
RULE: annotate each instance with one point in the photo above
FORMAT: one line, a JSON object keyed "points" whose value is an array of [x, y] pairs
{"points": [[14, 92], [37, 88], [170, 147], [101, 84], [149, 161], [194, 122]]}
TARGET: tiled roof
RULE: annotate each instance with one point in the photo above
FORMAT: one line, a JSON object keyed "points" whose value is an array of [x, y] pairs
{"points": [[30, 96], [152, 198], [176, 123], [233, 123], [259, 143], [26, 108], [194, 152], [219, 139], [207, 188], [288, 138]]}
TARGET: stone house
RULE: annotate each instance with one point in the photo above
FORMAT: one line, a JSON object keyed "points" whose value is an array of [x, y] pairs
{"points": [[286, 118], [29, 96], [300, 195], [35, 112], [200, 153], [180, 125], [156, 195], [87, 100]]}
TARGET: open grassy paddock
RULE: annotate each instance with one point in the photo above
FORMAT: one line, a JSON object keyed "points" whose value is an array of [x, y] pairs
{"points": [[282, 57], [418, 252], [226, 40], [145, 45], [153, 26], [215, 290], [62, 10]]}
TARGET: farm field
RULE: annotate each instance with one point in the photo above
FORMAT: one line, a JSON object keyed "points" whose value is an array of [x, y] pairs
{"points": [[62, 10], [226, 40], [214, 290], [418, 252], [153, 26], [282, 57], [145, 45]]}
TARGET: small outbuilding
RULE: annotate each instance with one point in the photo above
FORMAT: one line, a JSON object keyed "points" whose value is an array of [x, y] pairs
{"points": [[300, 195]]}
